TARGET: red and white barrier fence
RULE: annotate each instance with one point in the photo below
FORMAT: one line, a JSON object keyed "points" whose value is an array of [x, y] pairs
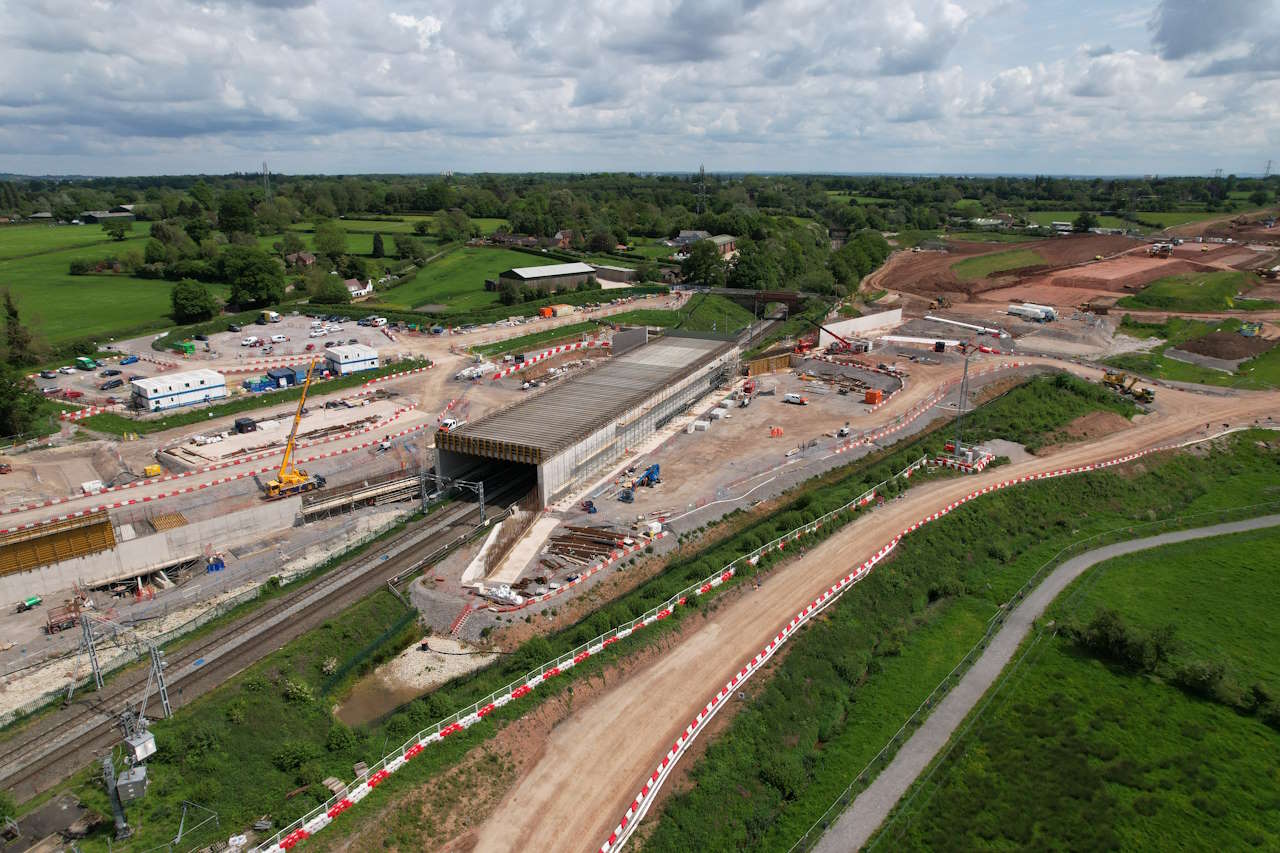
{"points": [[215, 467], [639, 806], [545, 354], [89, 411], [614, 556]]}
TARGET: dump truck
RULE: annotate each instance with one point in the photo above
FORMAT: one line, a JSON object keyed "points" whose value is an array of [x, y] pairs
{"points": [[62, 617]]}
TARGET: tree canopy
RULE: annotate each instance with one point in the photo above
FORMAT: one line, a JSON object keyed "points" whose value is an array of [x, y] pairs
{"points": [[192, 302]]}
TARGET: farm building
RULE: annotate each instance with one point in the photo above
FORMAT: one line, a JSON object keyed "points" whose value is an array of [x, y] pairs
{"points": [[574, 430], [725, 244], [90, 217], [359, 289], [550, 278], [688, 238], [350, 358], [608, 273], [171, 390]]}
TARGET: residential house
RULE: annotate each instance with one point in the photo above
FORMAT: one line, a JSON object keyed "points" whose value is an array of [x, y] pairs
{"points": [[726, 245], [359, 289], [688, 238], [300, 259], [562, 239]]}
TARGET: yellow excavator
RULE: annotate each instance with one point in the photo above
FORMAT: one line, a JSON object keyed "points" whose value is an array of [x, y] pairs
{"points": [[290, 479], [1123, 383]]}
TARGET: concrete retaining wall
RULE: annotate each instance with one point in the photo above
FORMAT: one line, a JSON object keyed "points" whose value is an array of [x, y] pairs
{"points": [[860, 326], [155, 551]]}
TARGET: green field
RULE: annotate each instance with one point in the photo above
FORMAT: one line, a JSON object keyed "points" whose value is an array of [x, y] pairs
{"points": [[526, 343], [457, 279], [983, 265], [1047, 217], [1259, 372], [1137, 763], [1034, 413], [990, 237], [1196, 293], [849, 681], [700, 314], [63, 307], [19, 241]]}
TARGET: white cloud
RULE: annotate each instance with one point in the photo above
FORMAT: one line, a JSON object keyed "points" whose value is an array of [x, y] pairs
{"points": [[898, 85]]}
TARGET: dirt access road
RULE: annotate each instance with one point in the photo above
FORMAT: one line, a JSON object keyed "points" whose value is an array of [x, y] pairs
{"points": [[572, 797]]}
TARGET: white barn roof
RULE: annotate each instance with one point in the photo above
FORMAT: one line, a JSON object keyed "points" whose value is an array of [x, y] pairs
{"points": [[551, 270]]}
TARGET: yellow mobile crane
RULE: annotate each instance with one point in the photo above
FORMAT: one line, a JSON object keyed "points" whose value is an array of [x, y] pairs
{"points": [[290, 479]]}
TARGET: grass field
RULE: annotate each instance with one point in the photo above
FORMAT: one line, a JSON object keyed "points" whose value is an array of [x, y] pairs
{"points": [[1136, 762], [848, 681], [700, 314], [990, 237], [1197, 292], [1260, 372], [18, 241], [983, 265], [457, 279], [532, 341], [1034, 413], [1048, 217], [62, 307]]}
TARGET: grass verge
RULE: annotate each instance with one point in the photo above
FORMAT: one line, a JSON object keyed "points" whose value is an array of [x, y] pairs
{"points": [[1197, 293], [983, 265]]}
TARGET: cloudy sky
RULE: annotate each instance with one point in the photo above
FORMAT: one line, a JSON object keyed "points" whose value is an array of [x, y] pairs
{"points": [[1052, 86]]}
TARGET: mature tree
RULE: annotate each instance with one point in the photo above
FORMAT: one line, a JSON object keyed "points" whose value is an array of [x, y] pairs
{"points": [[203, 194], [20, 343], [422, 227], [292, 243], [378, 250], [353, 266], [155, 252], [117, 229], [331, 240], [453, 226], [197, 228], [410, 248], [192, 302], [704, 265], [256, 277], [235, 214], [19, 402], [755, 268], [330, 291], [509, 292], [1086, 220], [1258, 198]]}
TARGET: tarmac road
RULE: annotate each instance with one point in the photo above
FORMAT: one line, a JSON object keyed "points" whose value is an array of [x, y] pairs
{"points": [[870, 808], [595, 762]]}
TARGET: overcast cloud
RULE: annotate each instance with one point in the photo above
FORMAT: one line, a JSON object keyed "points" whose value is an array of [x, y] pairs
{"points": [[1083, 87]]}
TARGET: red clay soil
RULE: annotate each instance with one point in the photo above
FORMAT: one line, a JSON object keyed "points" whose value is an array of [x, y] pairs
{"points": [[1228, 345]]}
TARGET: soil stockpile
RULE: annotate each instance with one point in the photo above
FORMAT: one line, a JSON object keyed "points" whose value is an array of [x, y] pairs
{"points": [[1227, 345]]}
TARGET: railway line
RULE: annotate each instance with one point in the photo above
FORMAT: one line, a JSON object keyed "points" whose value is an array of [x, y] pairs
{"points": [[51, 748]]}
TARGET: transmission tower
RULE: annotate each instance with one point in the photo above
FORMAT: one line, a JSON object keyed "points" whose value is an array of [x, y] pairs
{"points": [[266, 180], [1266, 173], [1217, 173], [702, 188]]}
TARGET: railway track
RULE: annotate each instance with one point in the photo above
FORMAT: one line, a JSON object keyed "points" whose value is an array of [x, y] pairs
{"points": [[55, 746]]}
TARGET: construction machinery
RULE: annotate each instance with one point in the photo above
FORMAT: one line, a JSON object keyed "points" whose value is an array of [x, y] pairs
{"points": [[290, 479], [1114, 380], [940, 302], [841, 343], [1250, 329], [648, 478], [1123, 383]]}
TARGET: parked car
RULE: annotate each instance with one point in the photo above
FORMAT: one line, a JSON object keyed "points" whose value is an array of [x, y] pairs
{"points": [[49, 390], [109, 372], [48, 374], [353, 342], [114, 383], [310, 348], [73, 395], [204, 338], [279, 339], [249, 341], [66, 370], [258, 342], [317, 333], [129, 359], [233, 328], [133, 377]]}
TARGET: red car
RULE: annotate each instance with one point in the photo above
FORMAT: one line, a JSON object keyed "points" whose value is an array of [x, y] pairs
{"points": [[73, 395], [311, 347]]}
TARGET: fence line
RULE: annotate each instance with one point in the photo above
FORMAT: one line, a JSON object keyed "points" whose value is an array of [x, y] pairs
{"points": [[321, 816]]}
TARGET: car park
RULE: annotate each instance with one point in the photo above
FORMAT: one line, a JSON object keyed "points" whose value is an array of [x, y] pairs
{"points": [[48, 374]]}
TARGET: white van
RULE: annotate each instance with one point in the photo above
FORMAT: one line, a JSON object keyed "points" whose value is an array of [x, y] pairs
{"points": [[378, 321], [794, 399]]}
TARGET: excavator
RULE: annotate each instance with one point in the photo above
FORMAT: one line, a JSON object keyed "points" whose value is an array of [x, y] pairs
{"points": [[1123, 383], [290, 479]]}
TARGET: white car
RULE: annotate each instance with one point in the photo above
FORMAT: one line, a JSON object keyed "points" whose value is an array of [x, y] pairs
{"points": [[249, 341], [335, 328], [66, 370], [279, 339], [317, 333]]}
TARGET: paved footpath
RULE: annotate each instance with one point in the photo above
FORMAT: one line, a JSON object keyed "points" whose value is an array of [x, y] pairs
{"points": [[870, 808]]}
